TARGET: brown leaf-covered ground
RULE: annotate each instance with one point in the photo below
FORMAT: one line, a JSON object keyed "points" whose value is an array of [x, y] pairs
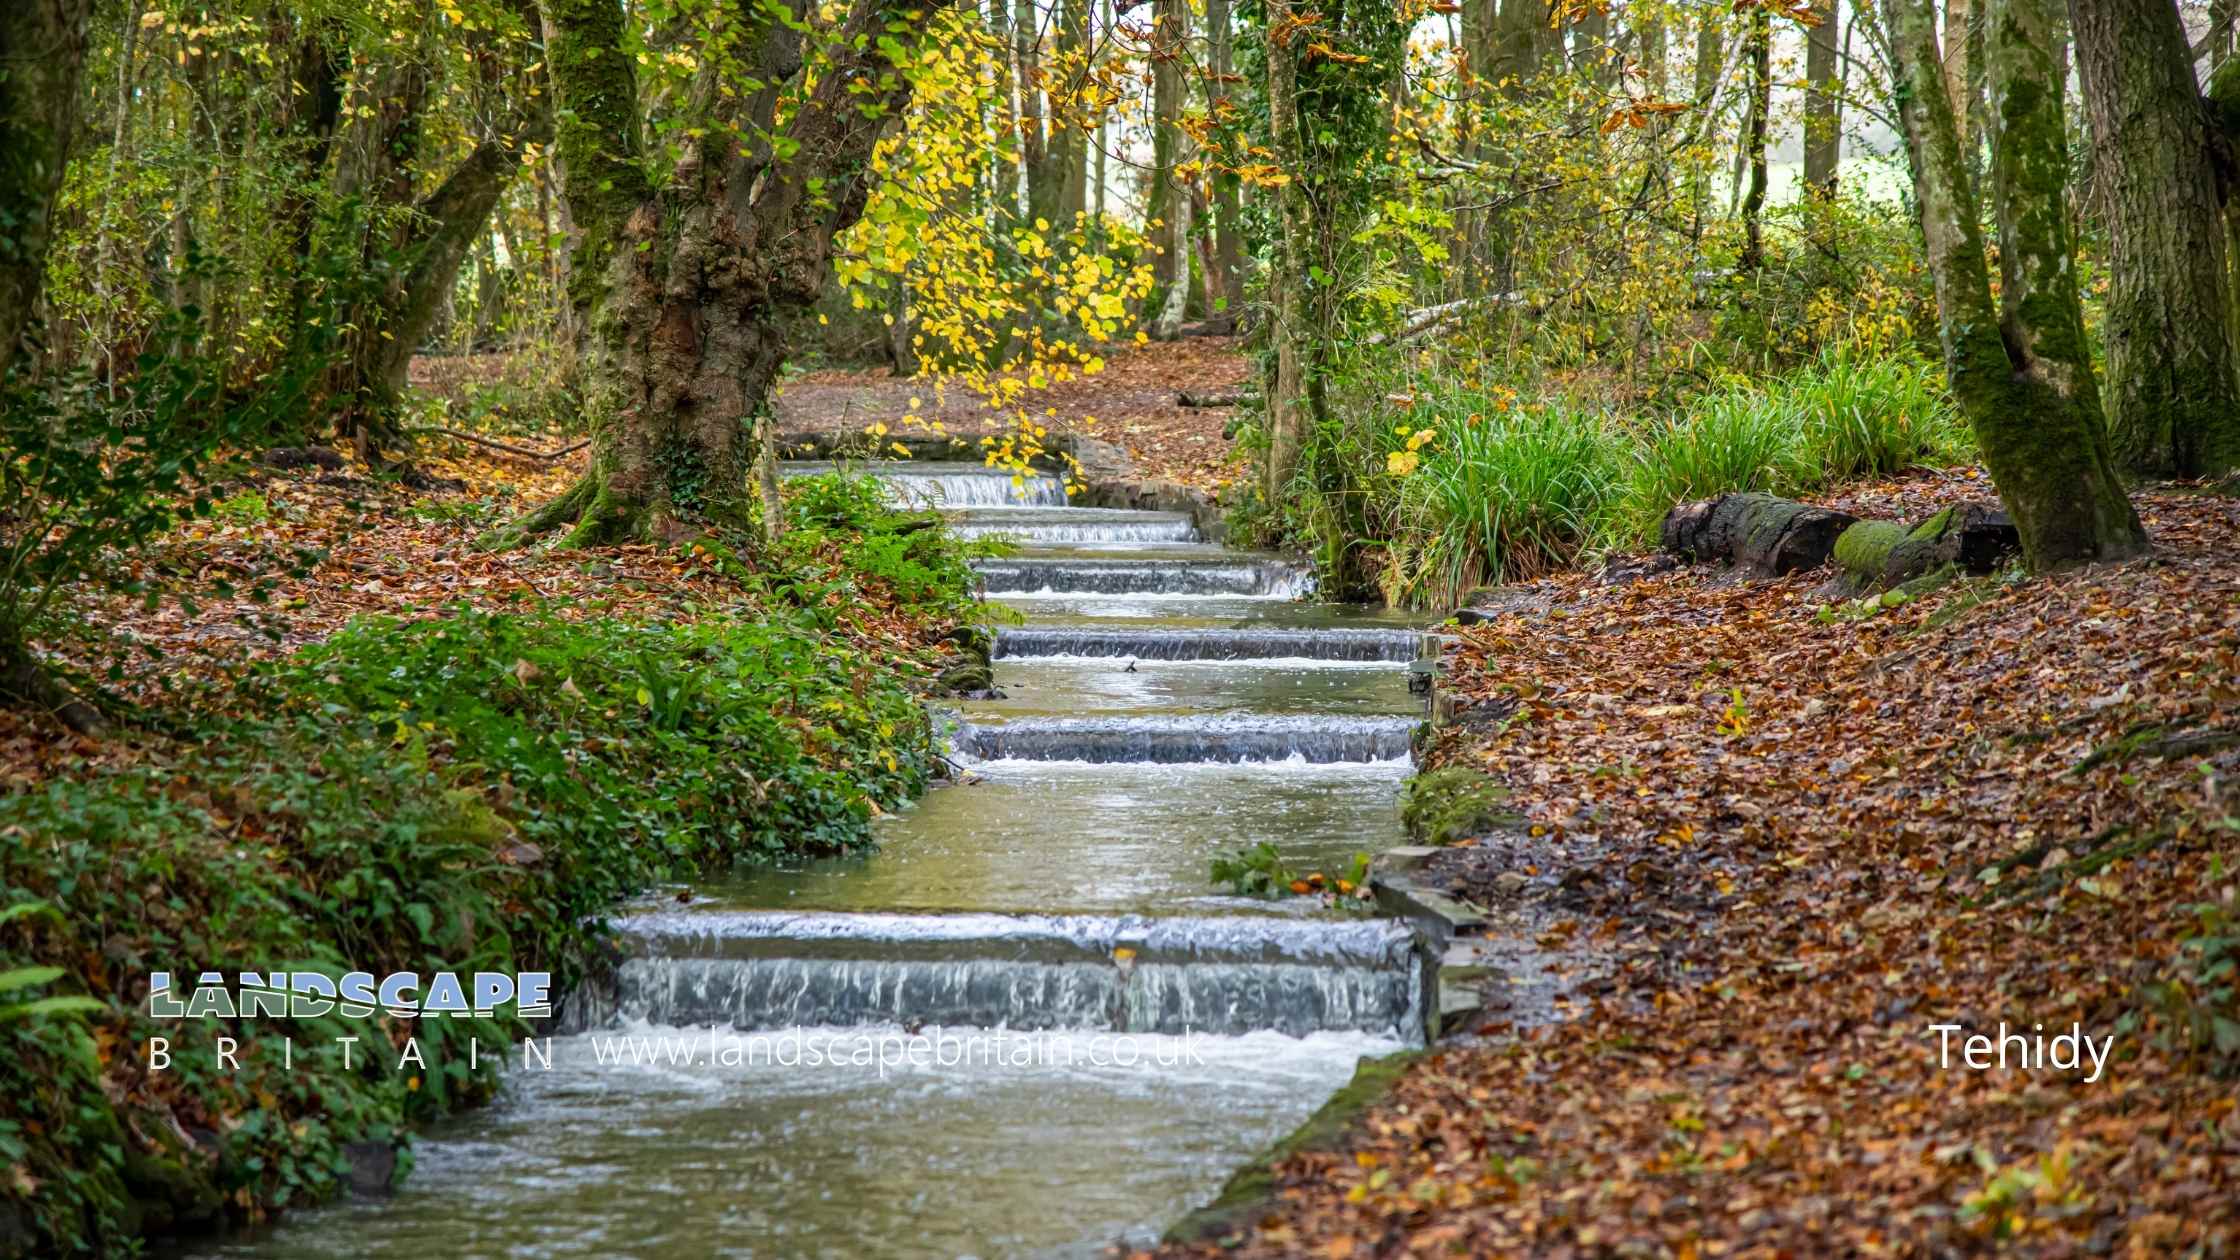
{"points": [[1131, 402], [305, 550], [1807, 842]]}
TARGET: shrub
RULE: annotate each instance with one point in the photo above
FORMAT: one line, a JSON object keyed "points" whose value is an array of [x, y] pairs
{"points": [[846, 542], [715, 739], [468, 793]]}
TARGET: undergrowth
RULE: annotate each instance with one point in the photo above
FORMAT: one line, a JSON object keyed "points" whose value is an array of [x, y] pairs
{"points": [[469, 792]]}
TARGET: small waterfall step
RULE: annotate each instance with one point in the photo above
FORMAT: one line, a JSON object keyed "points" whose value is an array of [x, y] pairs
{"points": [[752, 970], [938, 484], [1031, 526], [1184, 575], [1357, 645], [1179, 739]]}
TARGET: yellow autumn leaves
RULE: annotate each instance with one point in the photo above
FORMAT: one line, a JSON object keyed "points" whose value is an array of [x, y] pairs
{"points": [[1403, 462]]}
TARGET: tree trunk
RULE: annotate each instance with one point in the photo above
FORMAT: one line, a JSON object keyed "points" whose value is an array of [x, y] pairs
{"points": [[2173, 403], [1068, 147], [1823, 105], [1958, 82], [42, 60], [1227, 271], [1287, 317], [689, 286], [1760, 52], [1170, 46], [2022, 376], [1169, 324], [1026, 43]]}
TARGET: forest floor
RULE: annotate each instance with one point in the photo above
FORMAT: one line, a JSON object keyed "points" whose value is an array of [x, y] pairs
{"points": [[300, 552], [1808, 841], [1134, 402]]}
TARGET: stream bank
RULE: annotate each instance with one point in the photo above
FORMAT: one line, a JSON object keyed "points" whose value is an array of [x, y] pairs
{"points": [[1165, 703]]}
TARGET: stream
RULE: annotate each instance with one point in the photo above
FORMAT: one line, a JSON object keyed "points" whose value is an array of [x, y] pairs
{"points": [[1113, 1034]]}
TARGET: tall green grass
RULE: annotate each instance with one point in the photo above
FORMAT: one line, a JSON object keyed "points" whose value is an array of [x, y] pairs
{"points": [[1510, 493]]}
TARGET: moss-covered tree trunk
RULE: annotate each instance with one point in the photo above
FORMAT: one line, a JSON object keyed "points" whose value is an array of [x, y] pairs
{"points": [[1758, 50], [2021, 372], [1287, 331], [687, 285], [2173, 400], [42, 60], [42, 65]]}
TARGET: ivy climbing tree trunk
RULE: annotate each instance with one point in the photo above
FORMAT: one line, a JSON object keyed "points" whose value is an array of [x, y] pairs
{"points": [[2173, 402], [1758, 48], [687, 284], [1287, 316], [42, 68], [42, 60], [2022, 373]]}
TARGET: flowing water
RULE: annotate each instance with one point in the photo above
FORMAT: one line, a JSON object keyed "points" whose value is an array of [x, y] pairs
{"points": [[1103, 1033]]}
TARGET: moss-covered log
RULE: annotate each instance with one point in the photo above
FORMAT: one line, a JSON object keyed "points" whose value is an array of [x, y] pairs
{"points": [[1763, 533], [1969, 536]]}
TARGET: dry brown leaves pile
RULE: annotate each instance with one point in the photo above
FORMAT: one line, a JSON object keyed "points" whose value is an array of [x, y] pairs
{"points": [[1784, 828], [1132, 402]]}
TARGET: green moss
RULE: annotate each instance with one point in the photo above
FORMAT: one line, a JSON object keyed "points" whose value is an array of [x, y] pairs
{"points": [[1864, 548], [1454, 803]]}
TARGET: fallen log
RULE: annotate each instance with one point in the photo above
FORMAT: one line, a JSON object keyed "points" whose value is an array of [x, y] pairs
{"points": [[1971, 536], [1763, 533]]}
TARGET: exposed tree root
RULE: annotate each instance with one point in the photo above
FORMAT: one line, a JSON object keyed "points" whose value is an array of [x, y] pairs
{"points": [[25, 681], [566, 509]]}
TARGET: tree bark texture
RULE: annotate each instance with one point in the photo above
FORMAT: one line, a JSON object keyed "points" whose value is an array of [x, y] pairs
{"points": [[1762, 533], [42, 62], [1823, 104], [1759, 50], [688, 285], [2173, 403], [2021, 373], [1287, 317], [1170, 43]]}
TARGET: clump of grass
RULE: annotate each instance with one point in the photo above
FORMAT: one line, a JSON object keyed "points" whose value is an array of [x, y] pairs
{"points": [[1733, 440], [1868, 417], [1511, 494]]}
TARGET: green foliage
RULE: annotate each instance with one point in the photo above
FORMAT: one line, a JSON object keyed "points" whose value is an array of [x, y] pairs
{"points": [[1839, 418], [847, 542], [1454, 803], [1261, 871], [94, 472], [2200, 1002], [468, 793], [646, 746]]}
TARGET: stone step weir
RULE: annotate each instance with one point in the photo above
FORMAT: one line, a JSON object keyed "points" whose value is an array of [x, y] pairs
{"points": [[1071, 526], [753, 970], [947, 485], [1154, 577], [1179, 739], [1349, 645]]}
